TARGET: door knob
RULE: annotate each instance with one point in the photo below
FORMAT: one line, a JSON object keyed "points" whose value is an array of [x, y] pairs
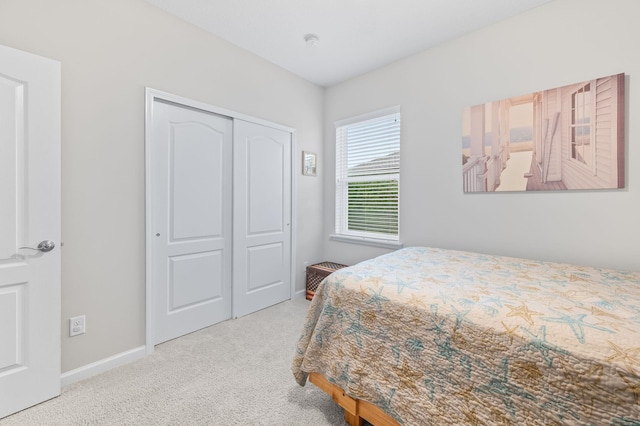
{"points": [[44, 246]]}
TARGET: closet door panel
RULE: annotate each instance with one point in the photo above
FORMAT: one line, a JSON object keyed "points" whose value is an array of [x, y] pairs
{"points": [[191, 219], [262, 217]]}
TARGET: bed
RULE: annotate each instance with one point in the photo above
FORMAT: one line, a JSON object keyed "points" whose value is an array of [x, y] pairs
{"points": [[427, 336]]}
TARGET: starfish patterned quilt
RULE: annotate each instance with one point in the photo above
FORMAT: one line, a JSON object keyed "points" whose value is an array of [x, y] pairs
{"points": [[444, 337]]}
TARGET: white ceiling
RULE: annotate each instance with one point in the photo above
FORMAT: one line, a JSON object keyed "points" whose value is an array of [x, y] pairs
{"points": [[355, 36]]}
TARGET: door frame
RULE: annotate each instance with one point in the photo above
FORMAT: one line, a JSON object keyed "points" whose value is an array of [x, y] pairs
{"points": [[151, 96]]}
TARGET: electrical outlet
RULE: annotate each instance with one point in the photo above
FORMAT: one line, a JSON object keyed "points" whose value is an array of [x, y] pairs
{"points": [[77, 325]]}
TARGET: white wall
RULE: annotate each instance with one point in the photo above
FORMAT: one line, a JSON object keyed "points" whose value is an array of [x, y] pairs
{"points": [[110, 50], [562, 42]]}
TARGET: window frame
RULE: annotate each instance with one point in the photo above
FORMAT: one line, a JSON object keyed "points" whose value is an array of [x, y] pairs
{"points": [[573, 126], [342, 231]]}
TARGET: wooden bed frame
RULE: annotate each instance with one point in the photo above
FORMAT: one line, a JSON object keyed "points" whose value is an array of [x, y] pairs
{"points": [[356, 411]]}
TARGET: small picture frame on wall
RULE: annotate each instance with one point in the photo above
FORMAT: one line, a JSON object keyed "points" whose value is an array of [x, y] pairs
{"points": [[309, 163]]}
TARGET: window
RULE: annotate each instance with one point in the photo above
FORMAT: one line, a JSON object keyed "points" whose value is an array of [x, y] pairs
{"points": [[581, 125], [368, 176]]}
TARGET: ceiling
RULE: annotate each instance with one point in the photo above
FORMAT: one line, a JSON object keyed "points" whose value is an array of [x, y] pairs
{"points": [[355, 36]]}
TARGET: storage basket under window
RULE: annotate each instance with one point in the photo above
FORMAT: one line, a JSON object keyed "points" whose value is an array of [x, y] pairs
{"points": [[318, 272]]}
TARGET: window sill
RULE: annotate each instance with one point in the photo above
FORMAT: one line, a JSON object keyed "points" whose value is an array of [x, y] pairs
{"points": [[366, 241]]}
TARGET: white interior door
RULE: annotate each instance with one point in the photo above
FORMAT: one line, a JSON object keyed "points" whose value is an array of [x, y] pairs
{"points": [[191, 160], [29, 214], [262, 217]]}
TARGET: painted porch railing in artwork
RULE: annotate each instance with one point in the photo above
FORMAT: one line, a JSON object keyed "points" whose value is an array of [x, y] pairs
{"points": [[493, 173], [474, 175], [495, 165]]}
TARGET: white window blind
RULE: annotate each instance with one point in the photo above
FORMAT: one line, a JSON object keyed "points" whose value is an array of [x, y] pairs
{"points": [[368, 176]]}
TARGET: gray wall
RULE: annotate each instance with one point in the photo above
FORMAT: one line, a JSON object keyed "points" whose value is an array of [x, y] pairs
{"points": [[562, 42], [110, 50]]}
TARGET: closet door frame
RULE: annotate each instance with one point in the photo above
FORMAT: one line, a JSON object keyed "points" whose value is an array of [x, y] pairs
{"points": [[151, 96]]}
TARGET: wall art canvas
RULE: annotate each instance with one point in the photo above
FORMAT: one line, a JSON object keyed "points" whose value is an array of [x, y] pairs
{"points": [[566, 138]]}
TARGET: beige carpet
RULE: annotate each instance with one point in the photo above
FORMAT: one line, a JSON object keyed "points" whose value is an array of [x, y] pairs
{"points": [[233, 373]]}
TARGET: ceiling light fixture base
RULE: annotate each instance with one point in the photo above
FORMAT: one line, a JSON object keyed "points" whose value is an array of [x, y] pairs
{"points": [[312, 40]]}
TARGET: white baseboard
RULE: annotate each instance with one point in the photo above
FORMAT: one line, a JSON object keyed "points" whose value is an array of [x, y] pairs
{"points": [[101, 366], [300, 294]]}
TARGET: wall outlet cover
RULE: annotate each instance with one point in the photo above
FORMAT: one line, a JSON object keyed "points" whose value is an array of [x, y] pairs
{"points": [[77, 325]]}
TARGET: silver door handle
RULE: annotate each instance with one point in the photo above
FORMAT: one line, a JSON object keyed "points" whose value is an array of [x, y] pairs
{"points": [[44, 246]]}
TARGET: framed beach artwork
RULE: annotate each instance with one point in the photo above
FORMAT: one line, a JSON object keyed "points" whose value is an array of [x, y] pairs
{"points": [[566, 138], [309, 163]]}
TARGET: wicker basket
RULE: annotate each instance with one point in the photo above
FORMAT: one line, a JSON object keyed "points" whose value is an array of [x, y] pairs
{"points": [[318, 272]]}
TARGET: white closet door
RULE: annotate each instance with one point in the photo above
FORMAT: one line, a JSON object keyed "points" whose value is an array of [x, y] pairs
{"points": [[262, 217], [191, 160], [29, 216]]}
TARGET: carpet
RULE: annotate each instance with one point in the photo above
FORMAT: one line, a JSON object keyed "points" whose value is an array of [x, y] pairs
{"points": [[233, 373]]}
